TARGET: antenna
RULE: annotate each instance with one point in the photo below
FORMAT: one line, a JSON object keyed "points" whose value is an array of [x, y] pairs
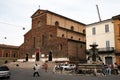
{"points": [[98, 13]]}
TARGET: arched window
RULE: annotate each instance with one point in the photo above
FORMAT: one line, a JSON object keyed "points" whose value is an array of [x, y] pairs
{"points": [[72, 28], [84, 31], [50, 36], [63, 35], [56, 23], [60, 46], [38, 24], [71, 37]]}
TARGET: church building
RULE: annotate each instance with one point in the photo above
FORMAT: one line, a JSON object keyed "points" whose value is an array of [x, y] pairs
{"points": [[54, 36]]}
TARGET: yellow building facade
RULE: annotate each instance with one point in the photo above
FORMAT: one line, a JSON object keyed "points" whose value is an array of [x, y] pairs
{"points": [[116, 22]]}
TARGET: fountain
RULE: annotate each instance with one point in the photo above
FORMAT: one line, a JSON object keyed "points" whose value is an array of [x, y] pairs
{"points": [[93, 57], [93, 62]]}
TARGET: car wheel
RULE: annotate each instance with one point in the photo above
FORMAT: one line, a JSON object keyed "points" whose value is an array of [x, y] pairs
{"points": [[56, 68], [8, 77]]}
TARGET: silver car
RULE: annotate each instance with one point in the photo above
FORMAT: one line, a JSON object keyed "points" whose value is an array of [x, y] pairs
{"points": [[4, 72]]}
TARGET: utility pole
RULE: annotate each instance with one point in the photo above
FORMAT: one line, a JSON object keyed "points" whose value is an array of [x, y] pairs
{"points": [[98, 13]]}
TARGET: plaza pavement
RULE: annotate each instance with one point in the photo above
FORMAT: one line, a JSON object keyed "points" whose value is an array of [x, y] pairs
{"points": [[25, 72]]}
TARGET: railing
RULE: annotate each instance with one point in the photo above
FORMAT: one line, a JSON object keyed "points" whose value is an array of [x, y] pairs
{"points": [[106, 49]]}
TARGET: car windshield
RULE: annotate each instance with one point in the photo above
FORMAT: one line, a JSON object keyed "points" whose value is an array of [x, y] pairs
{"points": [[4, 68], [66, 64]]}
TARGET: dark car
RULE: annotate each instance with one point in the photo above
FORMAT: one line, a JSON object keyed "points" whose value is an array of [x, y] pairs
{"points": [[4, 72]]}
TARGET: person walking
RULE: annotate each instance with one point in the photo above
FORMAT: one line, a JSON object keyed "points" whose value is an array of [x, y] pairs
{"points": [[103, 69], [54, 69], [36, 68]]}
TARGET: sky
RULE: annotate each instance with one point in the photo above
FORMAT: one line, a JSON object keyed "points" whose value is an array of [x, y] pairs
{"points": [[16, 14]]}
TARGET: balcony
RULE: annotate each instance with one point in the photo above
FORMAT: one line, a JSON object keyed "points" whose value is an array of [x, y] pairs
{"points": [[108, 49], [104, 50]]}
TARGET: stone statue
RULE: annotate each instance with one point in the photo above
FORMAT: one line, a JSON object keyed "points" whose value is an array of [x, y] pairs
{"points": [[93, 57]]}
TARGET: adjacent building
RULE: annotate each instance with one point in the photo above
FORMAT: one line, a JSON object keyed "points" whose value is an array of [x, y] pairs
{"points": [[106, 35], [54, 36], [116, 21], [9, 51]]}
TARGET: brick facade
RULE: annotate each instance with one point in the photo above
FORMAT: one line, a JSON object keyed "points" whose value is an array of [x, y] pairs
{"points": [[52, 32], [9, 51]]}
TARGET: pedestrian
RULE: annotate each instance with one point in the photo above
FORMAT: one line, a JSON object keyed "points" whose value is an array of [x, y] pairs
{"points": [[116, 68], [109, 69], [103, 69], [76, 68], [61, 69], [45, 65], [36, 68], [54, 69]]}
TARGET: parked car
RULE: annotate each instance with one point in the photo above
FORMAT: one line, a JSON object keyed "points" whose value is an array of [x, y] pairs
{"points": [[4, 72], [68, 66], [65, 66]]}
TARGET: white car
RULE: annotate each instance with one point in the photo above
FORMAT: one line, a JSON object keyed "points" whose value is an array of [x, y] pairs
{"points": [[4, 72], [68, 66]]}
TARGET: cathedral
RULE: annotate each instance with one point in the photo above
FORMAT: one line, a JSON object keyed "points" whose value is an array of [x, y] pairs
{"points": [[54, 36]]}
